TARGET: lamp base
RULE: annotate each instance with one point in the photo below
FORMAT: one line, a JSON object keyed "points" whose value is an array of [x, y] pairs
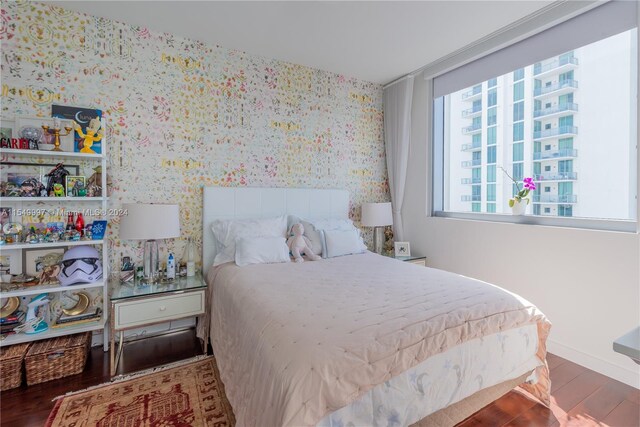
{"points": [[378, 239], [150, 261]]}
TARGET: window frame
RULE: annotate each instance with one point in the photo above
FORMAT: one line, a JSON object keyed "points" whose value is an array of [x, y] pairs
{"points": [[438, 192]]}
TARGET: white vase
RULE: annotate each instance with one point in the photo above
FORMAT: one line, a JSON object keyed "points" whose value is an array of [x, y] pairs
{"points": [[519, 207]]}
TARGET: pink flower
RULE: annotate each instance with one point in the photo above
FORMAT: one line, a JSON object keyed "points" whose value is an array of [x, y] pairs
{"points": [[529, 184]]}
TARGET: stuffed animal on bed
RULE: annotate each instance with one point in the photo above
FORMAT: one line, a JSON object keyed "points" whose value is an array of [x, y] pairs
{"points": [[299, 244]]}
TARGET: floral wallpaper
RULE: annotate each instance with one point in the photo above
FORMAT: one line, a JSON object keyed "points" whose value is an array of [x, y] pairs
{"points": [[182, 114]]}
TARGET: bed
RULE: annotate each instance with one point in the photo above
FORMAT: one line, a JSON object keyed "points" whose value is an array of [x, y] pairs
{"points": [[359, 339]]}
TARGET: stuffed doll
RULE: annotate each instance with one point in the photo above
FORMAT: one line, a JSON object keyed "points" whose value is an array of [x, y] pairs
{"points": [[299, 244]]}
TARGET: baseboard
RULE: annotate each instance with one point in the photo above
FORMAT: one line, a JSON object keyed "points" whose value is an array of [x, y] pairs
{"points": [[620, 373]]}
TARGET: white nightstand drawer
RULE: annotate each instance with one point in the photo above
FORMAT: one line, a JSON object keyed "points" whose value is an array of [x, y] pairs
{"points": [[151, 310]]}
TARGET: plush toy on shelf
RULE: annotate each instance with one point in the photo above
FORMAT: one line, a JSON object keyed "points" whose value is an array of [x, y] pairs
{"points": [[299, 244]]}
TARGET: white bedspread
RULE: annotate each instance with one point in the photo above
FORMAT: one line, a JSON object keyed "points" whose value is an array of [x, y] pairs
{"points": [[296, 342]]}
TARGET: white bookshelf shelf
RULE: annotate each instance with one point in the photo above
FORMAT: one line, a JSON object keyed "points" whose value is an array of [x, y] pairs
{"points": [[42, 289], [50, 245], [43, 153], [52, 199], [53, 332]]}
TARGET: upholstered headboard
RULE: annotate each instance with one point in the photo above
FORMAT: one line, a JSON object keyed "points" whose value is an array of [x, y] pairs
{"points": [[242, 202]]}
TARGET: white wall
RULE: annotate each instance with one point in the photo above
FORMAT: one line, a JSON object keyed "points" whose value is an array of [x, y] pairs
{"points": [[586, 282]]}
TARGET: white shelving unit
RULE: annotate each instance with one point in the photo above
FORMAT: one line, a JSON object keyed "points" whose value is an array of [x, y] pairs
{"points": [[41, 156]]}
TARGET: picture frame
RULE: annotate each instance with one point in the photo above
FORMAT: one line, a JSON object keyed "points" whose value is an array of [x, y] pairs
{"points": [[71, 182], [402, 248], [82, 116], [7, 129], [32, 260]]}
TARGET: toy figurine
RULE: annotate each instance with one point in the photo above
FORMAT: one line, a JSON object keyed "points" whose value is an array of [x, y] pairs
{"points": [[57, 175], [94, 183], [58, 190], [91, 136], [78, 189]]}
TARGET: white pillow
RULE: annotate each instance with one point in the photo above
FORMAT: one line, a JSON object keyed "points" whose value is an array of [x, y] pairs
{"points": [[226, 232], [342, 242], [261, 250]]}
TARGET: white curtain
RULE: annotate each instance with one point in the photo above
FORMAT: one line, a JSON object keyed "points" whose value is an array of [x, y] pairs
{"points": [[397, 139]]}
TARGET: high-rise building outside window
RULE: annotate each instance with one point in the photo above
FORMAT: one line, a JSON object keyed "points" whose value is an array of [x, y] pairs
{"points": [[569, 121]]}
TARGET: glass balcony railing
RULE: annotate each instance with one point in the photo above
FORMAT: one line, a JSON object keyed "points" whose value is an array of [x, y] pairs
{"points": [[471, 163], [471, 147], [473, 198], [555, 87], [553, 154], [560, 130], [471, 180], [565, 106], [562, 176], [555, 198], [477, 90], [472, 128], [472, 111], [540, 68]]}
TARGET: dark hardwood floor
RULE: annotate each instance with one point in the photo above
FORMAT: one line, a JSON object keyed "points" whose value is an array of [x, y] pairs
{"points": [[580, 397]]}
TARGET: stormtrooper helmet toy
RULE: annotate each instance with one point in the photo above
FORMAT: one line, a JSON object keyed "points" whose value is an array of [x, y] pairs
{"points": [[80, 264]]}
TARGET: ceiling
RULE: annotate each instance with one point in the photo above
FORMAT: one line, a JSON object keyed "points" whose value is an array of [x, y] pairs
{"points": [[373, 41]]}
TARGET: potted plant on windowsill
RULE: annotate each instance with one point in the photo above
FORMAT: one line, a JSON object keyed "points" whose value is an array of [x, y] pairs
{"points": [[518, 203]]}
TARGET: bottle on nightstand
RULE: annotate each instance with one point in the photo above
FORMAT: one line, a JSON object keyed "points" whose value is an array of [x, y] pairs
{"points": [[189, 258]]}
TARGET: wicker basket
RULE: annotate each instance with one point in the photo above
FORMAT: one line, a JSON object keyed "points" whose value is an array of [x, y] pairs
{"points": [[57, 357], [11, 365]]}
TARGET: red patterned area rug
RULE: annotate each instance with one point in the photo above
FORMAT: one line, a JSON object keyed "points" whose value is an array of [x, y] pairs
{"points": [[183, 394]]}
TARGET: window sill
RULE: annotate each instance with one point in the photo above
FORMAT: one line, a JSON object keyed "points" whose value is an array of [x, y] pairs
{"points": [[623, 226]]}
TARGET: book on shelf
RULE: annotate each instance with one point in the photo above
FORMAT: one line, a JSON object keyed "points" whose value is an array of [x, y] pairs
{"points": [[16, 317], [75, 323], [82, 316], [78, 319]]}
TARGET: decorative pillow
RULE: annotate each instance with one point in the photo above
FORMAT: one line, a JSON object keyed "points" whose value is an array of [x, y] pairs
{"points": [[226, 233], [342, 242], [261, 250]]}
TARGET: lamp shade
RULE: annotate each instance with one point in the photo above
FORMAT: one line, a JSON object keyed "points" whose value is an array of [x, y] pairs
{"points": [[376, 214], [149, 222]]}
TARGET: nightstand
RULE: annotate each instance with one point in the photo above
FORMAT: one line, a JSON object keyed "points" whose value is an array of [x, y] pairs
{"points": [[137, 304], [415, 259]]}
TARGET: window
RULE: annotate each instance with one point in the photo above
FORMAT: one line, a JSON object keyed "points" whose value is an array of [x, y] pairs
{"points": [[518, 111], [475, 207], [491, 192], [588, 165], [518, 91], [518, 131], [491, 173], [518, 152], [492, 97], [492, 116], [491, 136], [518, 74], [518, 171], [491, 207], [491, 154]]}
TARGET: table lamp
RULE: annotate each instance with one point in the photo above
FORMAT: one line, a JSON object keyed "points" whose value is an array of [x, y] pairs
{"points": [[150, 222], [377, 215]]}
